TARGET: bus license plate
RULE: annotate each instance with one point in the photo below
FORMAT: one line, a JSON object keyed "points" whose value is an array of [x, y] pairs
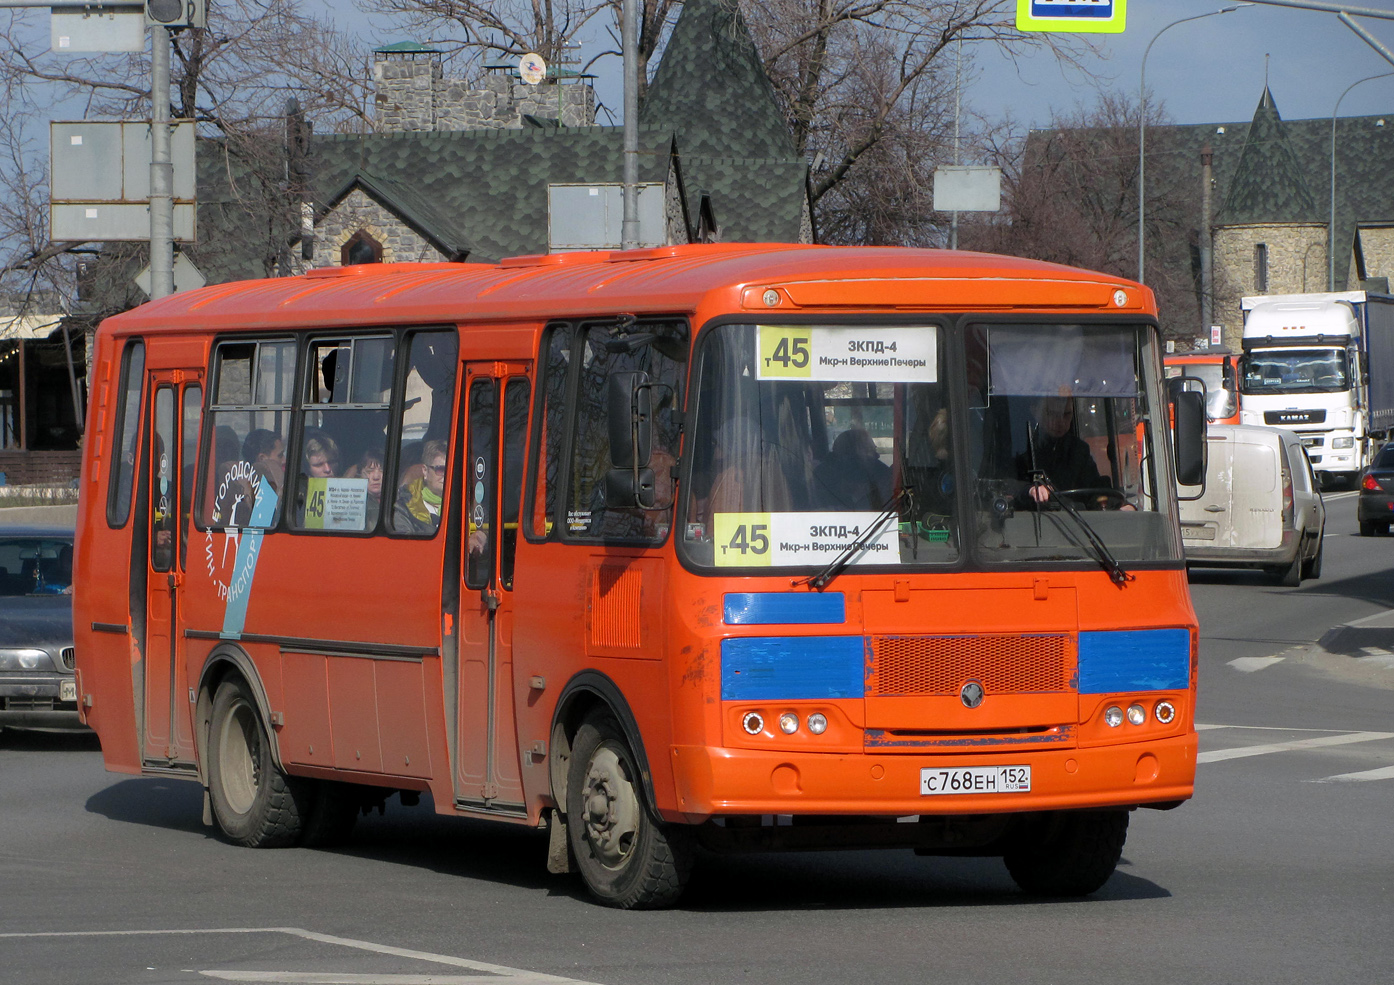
{"points": [[67, 690], [975, 779]]}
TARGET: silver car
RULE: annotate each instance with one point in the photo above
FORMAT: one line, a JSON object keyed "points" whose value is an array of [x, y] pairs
{"points": [[37, 686]]}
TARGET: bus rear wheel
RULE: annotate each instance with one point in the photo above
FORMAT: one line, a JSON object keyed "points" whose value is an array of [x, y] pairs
{"points": [[1072, 855], [254, 803], [627, 856]]}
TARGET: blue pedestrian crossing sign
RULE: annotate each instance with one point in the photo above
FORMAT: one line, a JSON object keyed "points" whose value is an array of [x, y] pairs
{"points": [[1072, 16]]}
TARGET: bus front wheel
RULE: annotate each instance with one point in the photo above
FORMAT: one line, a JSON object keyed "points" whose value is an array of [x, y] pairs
{"points": [[627, 856], [254, 803], [1072, 855]]}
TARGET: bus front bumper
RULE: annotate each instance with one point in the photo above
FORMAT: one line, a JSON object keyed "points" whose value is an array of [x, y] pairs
{"points": [[714, 781]]}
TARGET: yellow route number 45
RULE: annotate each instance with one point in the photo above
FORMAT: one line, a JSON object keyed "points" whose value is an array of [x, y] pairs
{"points": [[741, 539]]}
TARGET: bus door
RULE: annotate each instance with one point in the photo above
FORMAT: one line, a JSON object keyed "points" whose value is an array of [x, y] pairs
{"points": [[488, 771], [176, 409]]}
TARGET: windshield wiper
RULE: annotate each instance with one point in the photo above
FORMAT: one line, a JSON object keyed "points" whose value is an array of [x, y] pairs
{"points": [[833, 568], [1102, 554]]}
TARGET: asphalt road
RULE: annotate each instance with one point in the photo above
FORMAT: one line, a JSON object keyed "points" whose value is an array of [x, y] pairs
{"points": [[1280, 870]]}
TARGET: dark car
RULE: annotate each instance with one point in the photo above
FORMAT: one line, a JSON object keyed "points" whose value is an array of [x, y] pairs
{"points": [[1375, 507], [37, 687]]}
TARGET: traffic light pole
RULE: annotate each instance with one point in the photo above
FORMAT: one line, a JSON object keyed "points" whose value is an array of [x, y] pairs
{"points": [[161, 169]]}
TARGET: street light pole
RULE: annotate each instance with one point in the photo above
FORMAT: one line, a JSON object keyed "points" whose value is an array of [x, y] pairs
{"points": [[161, 169], [629, 28], [1331, 222], [1142, 133]]}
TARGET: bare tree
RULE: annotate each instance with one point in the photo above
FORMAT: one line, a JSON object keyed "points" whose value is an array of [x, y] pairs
{"points": [[1071, 196]]}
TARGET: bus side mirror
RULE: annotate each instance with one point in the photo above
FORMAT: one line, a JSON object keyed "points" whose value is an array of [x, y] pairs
{"points": [[1188, 406], [629, 408]]}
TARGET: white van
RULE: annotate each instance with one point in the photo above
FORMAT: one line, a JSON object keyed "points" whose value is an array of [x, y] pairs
{"points": [[1261, 507]]}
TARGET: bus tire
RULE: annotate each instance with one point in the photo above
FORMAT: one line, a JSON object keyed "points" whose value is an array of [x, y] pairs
{"points": [[1074, 856], [626, 855], [254, 803], [332, 816]]}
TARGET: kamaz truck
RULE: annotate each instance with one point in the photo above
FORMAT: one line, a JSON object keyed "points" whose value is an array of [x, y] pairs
{"points": [[1321, 365]]}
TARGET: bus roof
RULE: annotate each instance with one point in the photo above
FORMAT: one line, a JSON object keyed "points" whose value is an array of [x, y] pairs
{"points": [[672, 279]]}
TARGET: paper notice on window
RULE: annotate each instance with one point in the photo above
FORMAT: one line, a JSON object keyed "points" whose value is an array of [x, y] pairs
{"points": [[871, 354], [774, 540], [336, 504]]}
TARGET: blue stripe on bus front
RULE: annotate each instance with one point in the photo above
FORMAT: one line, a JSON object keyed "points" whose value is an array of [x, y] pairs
{"points": [[787, 668], [1134, 660], [787, 608]]}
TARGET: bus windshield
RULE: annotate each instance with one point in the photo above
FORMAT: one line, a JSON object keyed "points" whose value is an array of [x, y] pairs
{"points": [[1275, 371], [806, 436]]}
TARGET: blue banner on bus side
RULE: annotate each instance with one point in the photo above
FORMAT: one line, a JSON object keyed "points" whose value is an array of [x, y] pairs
{"points": [[244, 569], [1134, 660], [788, 608], [787, 668]]}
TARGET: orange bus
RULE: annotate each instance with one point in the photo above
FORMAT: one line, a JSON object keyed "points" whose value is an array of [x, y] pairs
{"points": [[1216, 369], [750, 547]]}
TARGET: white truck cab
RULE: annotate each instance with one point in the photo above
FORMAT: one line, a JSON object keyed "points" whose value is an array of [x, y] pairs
{"points": [[1302, 370]]}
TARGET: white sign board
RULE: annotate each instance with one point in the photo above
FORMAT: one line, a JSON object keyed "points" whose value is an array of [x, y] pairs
{"points": [[112, 222], [336, 504], [97, 29], [187, 277], [773, 540], [967, 189], [868, 353]]}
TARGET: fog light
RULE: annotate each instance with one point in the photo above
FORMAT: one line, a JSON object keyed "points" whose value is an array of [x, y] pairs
{"points": [[788, 723], [1137, 714], [1165, 712], [1113, 717], [753, 722], [817, 724]]}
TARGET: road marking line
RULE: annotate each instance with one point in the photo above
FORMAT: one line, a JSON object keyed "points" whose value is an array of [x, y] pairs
{"points": [[515, 976], [1296, 745], [1272, 728], [339, 978], [1383, 773], [1248, 665]]}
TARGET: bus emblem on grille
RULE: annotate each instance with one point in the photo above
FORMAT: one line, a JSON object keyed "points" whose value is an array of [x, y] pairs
{"points": [[971, 695]]}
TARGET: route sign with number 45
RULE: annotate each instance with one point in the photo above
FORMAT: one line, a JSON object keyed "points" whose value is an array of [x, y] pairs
{"points": [[1072, 16]]}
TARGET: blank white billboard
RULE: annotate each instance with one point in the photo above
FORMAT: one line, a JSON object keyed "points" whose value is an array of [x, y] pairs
{"points": [[967, 189]]}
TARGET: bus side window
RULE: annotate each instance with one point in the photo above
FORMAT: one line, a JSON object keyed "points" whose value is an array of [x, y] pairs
{"points": [[588, 516], [515, 429], [189, 439], [253, 387], [424, 431], [548, 430], [123, 452], [348, 392]]}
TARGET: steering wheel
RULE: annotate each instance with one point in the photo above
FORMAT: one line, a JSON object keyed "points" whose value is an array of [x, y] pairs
{"points": [[1088, 494]]}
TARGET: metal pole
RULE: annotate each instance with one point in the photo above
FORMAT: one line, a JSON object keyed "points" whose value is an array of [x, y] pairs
{"points": [[1331, 222], [958, 108], [1331, 8], [1142, 135], [629, 230], [1368, 38], [161, 169]]}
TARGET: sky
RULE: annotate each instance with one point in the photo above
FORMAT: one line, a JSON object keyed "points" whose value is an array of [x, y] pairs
{"points": [[1206, 71]]}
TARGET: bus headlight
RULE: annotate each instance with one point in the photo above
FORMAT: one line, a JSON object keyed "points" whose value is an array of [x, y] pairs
{"points": [[1113, 717], [788, 723], [1165, 712], [753, 722], [1137, 714], [817, 724]]}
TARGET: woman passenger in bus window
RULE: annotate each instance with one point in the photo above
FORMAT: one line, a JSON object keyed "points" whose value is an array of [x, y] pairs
{"points": [[370, 467], [321, 456], [419, 502]]}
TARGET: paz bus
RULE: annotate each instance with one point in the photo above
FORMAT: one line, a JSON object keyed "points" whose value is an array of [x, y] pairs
{"points": [[742, 547], [1216, 369]]}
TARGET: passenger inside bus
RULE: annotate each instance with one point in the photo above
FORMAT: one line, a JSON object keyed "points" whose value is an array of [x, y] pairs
{"points": [[321, 455], [419, 501], [852, 476], [370, 467], [265, 450]]}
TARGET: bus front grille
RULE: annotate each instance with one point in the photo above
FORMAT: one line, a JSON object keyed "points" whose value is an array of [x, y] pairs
{"points": [[910, 665]]}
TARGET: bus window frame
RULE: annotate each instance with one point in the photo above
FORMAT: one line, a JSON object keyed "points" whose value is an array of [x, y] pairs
{"points": [[953, 327], [406, 335], [296, 439], [118, 449], [210, 425], [532, 470]]}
